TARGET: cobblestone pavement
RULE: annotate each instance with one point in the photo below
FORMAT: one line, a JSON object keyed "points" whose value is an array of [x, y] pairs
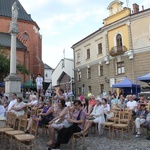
{"points": [[96, 142]]}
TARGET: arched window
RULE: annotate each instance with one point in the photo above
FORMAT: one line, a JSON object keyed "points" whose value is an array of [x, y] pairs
{"points": [[119, 40], [25, 36]]}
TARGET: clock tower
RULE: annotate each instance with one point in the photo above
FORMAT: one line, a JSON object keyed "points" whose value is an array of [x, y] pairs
{"points": [[115, 7]]}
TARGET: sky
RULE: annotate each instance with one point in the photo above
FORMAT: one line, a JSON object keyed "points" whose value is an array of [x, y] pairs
{"points": [[65, 22]]}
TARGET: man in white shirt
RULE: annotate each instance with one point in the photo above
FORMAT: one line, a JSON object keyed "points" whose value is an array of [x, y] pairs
{"points": [[39, 84], [131, 104], [12, 102]]}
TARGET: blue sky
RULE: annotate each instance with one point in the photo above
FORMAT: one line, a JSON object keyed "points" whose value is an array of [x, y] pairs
{"points": [[64, 22]]}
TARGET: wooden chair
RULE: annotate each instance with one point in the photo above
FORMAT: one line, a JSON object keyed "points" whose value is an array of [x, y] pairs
{"points": [[21, 128], [45, 129], [29, 140], [33, 111], [79, 136], [11, 122], [109, 122], [121, 127]]}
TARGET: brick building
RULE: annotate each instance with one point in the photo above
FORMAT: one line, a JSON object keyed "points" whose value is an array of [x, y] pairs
{"points": [[29, 40], [121, 48]]}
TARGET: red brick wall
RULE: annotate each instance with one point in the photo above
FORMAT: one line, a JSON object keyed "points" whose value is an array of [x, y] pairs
{"points": [[33, 44]]}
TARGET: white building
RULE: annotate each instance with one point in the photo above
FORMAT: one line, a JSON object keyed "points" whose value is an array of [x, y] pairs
{"points": [[63, 74]]}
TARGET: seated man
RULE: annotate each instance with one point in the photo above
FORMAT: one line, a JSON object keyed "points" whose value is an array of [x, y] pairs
{"points": [[141, 101], [148, 128], [140, 118], [132, 105]]}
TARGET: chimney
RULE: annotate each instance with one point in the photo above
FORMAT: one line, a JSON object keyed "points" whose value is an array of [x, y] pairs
{"points": [[142, 7], [135, 8]]}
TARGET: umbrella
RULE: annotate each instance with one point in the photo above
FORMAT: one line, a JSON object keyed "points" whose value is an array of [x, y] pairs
{"points": [[29, 84]]}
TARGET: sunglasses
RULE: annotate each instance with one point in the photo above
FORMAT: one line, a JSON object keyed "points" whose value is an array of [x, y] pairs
{"points": [[75, 104]]}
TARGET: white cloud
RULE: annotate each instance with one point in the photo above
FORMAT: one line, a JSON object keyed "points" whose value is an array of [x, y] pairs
{"points": [[65, 22]]}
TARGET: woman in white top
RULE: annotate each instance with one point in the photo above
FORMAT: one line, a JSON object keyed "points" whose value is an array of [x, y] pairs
{"points": [[97, 115], [19, 107], [106, 107], [56, 123]]}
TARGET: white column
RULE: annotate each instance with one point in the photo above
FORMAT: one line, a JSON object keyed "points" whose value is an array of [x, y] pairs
{"points": [[13, 54]]}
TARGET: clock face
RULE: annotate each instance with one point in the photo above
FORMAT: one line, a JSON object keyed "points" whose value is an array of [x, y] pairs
{"points": [[115, 10]]}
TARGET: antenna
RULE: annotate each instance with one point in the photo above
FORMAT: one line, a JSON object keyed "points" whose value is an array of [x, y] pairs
{"points": [[127, 2]]}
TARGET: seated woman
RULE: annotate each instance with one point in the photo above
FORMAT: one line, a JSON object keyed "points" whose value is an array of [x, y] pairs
{"points": [[44, 117], [77, 119], [97, 115], [40, 104], [92, 103], [85, 103], [2, 109], [141, 115], [33, 102], [57, 122], [106, 107], [114, 101], [19, 107]]}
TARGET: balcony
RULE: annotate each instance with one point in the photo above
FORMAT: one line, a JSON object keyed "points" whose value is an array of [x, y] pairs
{"points": [[117, 50]]}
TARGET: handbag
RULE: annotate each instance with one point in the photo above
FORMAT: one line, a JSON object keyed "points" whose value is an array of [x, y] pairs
{"points": [[110, 115], [66, 124], [58, 121], [91, 118], [148, 117]]}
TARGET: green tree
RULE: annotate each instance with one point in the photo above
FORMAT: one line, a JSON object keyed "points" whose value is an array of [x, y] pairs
{"points": [[5, 66]]}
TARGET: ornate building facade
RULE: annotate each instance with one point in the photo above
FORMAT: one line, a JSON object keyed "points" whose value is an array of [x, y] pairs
{"points": [[121, 48]]}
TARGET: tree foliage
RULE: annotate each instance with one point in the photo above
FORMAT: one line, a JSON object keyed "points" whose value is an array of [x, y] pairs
{"points": [[5, 66]]}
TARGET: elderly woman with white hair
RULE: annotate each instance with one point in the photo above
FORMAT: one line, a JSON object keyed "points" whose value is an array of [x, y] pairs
{"points": [[34, 101], [97, 115]]}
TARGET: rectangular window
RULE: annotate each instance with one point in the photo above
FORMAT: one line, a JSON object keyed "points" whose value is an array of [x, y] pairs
{"points": [[79, 91], [79, 76], [88, 53], [90, 89], [78, 57], [101, 88], [120, 68], [88, 73], [100, 70], [100, 48]]}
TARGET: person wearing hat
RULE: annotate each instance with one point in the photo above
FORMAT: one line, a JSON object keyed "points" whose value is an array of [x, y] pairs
{"points": [[39, 84], [97, 115]]}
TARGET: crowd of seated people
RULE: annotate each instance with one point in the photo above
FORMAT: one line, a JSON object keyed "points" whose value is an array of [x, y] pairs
{"points": [[44, 117], [66, 117]]}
